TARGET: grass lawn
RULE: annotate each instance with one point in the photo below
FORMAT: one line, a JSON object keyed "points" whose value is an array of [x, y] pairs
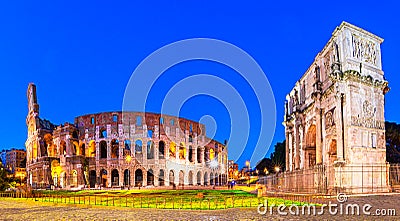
{"points": [[162, 199]]}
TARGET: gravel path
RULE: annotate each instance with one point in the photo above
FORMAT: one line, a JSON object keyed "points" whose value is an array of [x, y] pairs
{"points": [[22, 209]]}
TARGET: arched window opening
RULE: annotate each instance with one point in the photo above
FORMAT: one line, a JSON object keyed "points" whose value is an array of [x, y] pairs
{"points": [[161, 149], [103, 149], [161, 178], [63, 147], [212, 154], [104, 181], [92, 149], [198, 155], [75, 135], [182, 151], [103, 133], [172, 150], [205, 179], [138, 146], [114, 148], [171, 178], [150, 178], [191, 153], [190, 178], [139, 177], [114, 177], [127, 149], [181, 178], [150, 150], [149, 133], [198, 178], [127, 178]]}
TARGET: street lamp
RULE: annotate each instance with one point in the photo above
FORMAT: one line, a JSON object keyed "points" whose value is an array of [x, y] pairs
{"points": [[266, 171], [277, 169]]}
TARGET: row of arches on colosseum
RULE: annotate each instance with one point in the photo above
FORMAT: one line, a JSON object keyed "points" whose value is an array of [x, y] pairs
{"points": [[112, 149], [193, 154], [141, 177]]}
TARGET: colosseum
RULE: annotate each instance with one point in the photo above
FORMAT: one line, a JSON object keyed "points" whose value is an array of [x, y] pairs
{"points": [[121, 150]]}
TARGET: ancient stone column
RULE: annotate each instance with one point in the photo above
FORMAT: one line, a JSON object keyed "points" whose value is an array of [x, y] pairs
{"points": [[121, 147], [318, 143], [109, 182], [339, 127], [187, 154], [287, 150], [297, 147], [195, 155], [121, 174], [156, 177], [108, 150], [166, 150]]}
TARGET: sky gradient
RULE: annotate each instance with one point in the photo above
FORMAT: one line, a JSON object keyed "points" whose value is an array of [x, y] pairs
{"points": [[81, 55]]}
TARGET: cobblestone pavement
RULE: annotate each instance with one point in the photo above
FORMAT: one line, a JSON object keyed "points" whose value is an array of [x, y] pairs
{"points": [[22, 209]]}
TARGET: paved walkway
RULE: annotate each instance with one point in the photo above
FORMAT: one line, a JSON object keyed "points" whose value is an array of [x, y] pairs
{"points": [[22, 209]]}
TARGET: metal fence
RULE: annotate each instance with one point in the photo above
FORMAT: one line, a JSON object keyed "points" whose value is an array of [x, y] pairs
{"points": [[394, 177], [331, 180]]}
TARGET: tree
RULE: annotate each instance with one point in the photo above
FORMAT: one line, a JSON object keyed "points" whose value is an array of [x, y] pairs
{"points": [[277, 159], [4, 180], [264, 163], [392, 142]]}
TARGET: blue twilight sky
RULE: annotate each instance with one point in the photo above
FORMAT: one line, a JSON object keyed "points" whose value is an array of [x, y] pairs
{"points": [[82, 54]]}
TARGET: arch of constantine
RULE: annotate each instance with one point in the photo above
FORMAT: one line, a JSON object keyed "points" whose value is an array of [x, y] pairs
{"points": [[334, 118]]}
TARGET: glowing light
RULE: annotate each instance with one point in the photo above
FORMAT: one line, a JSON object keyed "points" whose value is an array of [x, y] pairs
{"points": [[214, 163], [128, 158], [277, 169]]}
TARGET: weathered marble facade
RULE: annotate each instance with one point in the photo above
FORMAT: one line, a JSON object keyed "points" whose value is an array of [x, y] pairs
{"points": [[334, 116], [121, 149]]}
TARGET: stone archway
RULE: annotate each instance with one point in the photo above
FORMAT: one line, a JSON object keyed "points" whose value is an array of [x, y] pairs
{"points": [[92, 179], [114, 177], [103, 149], [127, 177], [139, 178], [161, 178], [205, 179], [198, 178], [150, 178], [181, 178], [171, 178], [332, 151], [190, 178], [310, 148], [114, 148], [103, 177]]}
